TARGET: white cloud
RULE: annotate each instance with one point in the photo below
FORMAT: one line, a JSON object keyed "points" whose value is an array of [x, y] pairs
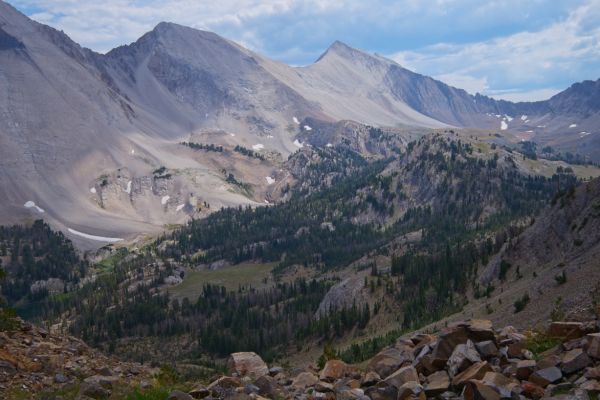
{"points": [[523, 95], [469, 83], [564, 50]]}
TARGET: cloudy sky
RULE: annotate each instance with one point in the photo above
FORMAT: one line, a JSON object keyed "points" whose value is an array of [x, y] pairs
{"points": [[512, 49]]}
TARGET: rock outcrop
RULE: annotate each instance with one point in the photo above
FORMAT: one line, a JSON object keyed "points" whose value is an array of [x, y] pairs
{"points": [[34, 361], [467, 360]]}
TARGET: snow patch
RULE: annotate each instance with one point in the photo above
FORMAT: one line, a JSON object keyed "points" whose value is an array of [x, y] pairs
{"points": [[269, 136], [132, 151], [298, 144], [93, 190], [164, 199], [508, 117], [573, 126], [270, 180], [179, 207], [523, 117], [258, 146], [93, 237], [296, 121], [583, 134], [267, 201], [31, 204], [328, 145], [503, 125], [307, 128], [128, 189], [232, 134], [529, 131]]}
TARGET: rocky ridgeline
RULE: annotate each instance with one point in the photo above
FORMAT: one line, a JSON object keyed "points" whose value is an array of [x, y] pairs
{"points": [[34, 361], [469, 360]]}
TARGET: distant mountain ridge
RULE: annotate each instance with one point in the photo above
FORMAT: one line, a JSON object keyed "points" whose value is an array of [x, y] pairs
{"points": [[81, 133]]}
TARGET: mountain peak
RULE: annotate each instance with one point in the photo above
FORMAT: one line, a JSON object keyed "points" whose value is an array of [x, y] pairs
{"points": [[340, 49]]}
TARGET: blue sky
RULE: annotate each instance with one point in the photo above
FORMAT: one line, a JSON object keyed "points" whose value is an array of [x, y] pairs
{"points": [[518, 50]]}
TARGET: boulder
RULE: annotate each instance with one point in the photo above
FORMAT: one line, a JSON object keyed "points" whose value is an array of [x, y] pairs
{"points": [[548, 361], [324, 387], [333, 370], [370, 378], [503, 385], [531, 390], [463, 356], [94, 390], [593, 345], [592, 373], [267, 386], [525, 368], [429, 364], [448, 340], [566, 330], [351, 394], [199, 392], [224, 386], [517, 349], [411, 389], [179, 395], [403, 375], [476, 371], [487, 349], [546, 376], [574, 360], [437, 383], [477, 390], [592, 386], [382, 391], [304, 380], [389, 360], [247, 364], [480, 330]]}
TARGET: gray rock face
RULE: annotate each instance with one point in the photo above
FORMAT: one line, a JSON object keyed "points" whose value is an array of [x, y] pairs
{"points": [[69, 116]]}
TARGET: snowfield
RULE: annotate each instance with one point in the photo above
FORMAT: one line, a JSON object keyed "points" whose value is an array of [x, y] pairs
{"points": [[31, 204], [523, 117], [328, 145], [503, 125], [93, 237], [298, 144], [257, 147], [164, 200], [296, 121], [270, 180]]}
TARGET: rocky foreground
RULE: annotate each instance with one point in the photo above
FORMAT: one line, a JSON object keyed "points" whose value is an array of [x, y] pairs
{"points": [[35, 363], [467, 360]]}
